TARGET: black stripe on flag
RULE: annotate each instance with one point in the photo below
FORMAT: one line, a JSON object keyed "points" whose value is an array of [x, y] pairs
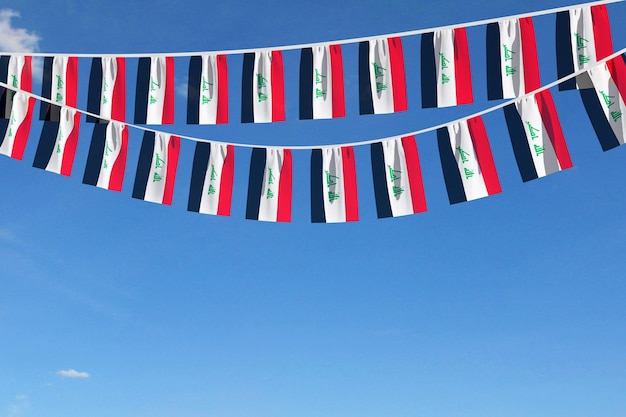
{"points": [[494, 71], [383, 205], [598, 119], [318, 215], [564, 55], [143, 166], [4, 75], [255, 182], [451, 174], [429, 71], [143, 87], [94, 157], [95, 90], [366, 103], [306, 83], [48, 111], [247, 105], [198, 174], [517, 132], [193, 90], [46, 144]]}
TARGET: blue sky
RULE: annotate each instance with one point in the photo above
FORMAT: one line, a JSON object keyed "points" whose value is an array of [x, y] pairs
{"points": [[509, 305]]}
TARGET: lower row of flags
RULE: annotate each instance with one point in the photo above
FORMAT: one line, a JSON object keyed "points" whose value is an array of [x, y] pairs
{"points": [[467, 161]]}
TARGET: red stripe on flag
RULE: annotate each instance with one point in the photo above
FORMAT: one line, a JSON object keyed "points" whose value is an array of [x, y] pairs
{"points": [[226, 182], [71, 91], [26, 80], [119, 166], [484, 155], [336, 67], [617, 68], [349, 184], [278, 87], [222, 92], [462, 68], [601, 31], [550, 120], [173, 149], [283, 212], [168, 100], [118, 106], [529, 54], [23, 130], [398, 78], [418, 196], [69, 151]]}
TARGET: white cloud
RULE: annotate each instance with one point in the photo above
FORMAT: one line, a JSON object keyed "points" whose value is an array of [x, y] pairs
{"points": [[18, 409], [14, 39], [72, 373]]}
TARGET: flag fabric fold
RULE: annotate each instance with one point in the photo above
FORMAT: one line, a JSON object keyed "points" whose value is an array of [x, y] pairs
{"points": [[270, 185], [60, 85], [382, 80], [15, 71], [263, 87], [58, 142], [446, 70], [212, 179], [18, 127], [334, 195], [207, 91], [321, 83], [512, 64], [156, 169], [468, 167], [536, 135], [106, 161], [154, 98], [398, 185], [107, 89]]}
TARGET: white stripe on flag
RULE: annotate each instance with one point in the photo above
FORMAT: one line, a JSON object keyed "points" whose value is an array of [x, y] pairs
{"points": [[611, 101], [467, 161], [66, 126], [381, 82], [156, 90], [59, 80], [445, 68], [511, 59], [397, 174], [322, 83], [155, 189], [109, 75], [112, 148], [209, 84], [268, 204], [14, 79], [213, 179], [262, 87], [333, 185], [583, 42], [16, 118]]}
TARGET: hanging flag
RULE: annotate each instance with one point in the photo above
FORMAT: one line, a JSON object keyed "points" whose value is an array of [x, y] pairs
{"points": [[156, 170], [154, 98], [398, 185], [60, 85], [583, 37], [446, 71], [334, 196], [536, 136], [467, 162], [382, 82], [207, 91], [270, 184], [512, 65], [58, 142], [18, 128], [212, 179], [107, 89], [321, 83], [15, 71], [106, 162], [263, 88], [605, 102]]}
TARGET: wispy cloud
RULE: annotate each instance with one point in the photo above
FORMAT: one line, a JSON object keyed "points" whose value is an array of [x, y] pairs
{"points": [[14, 39], [72, 373], [18, 408]]}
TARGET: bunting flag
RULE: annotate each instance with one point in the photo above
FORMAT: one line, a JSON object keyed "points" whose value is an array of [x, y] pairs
{"points": [[446, 71], [60, 85], [398, 185], [512, 65], [334, 196], [58, 142], [107, 89], [156, 170], [263, 88], [212, 179], [16, 71], [106, 162], [270, 184], [583, 36], [382, 82], [154, 99], [468, 167], [207, 91], [536, 136], [14, 140], [321, 83], [605, 102]]}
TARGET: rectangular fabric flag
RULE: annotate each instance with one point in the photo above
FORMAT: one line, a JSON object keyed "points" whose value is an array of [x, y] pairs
{"points": [[58, 142], [16, 71], [583, 36], [60, 85], [512, 64], [263, 88], [468, 167], [154, 98], [156, 170], [334, 196], [107, 89], [106, 162], [536, 136], [605, 102], [207, 91], [321, 83], [270, 184], [18, 128], [382, 81], [446, 70], [398, 185], [212, 179]]}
